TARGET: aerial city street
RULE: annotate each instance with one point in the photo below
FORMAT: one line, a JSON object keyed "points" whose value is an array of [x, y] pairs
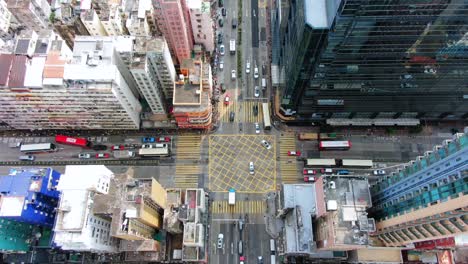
{"points": [[234, 131]]}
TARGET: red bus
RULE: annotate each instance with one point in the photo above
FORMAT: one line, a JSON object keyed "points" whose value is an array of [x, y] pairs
{"points": [[74, 141], [334, 145]]}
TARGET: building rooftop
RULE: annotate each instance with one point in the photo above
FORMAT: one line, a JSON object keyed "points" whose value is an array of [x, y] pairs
{"points": [[34, 70], [299, 208], [18, 71], [187, 92], [6, 61]]}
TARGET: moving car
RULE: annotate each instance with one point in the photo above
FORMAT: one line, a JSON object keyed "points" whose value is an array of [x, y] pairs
{"points": [[226, 99], [294, 153], [379, 172], [84, 156], [223, 11], [251, 168], [146, 146], [118, 147], [220, 38], [233, 74], [260, 260], [221, 49], [256, 72], [221, 65], [221, 22], [102, 155], [326, 171], [148, 140], [163, 139], [247, 67], [257, 128], [27, 158], [220, 240], [342, 172], [309, 179], [231, 116], [255, 110], [257, 92], [309, 172], [266, 144]]}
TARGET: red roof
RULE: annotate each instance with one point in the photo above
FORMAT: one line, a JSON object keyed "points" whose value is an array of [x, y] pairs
{"points": [[5, 65], [18, 71]]}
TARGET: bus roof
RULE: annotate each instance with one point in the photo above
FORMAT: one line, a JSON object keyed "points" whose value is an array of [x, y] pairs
{"points": [[325, 144], [40, 146], [321, 162], [356, 162], [154, 151]]}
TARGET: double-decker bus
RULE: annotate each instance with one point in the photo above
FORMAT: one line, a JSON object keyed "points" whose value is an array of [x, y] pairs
{"points": [[335, 145], [266, 116], [320, 163], [38, 148], [73, 141], [355, 163], [162, 151]]}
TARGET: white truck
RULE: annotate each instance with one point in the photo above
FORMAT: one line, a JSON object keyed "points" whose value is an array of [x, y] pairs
{"points": [[232, 197], [232, 46], [124, 154]]}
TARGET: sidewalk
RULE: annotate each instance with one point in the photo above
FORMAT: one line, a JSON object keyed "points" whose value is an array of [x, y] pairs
{"points": [[273, 225]]}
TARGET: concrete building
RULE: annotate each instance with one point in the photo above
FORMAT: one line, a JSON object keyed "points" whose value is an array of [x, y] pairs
{"points": [[154, 73], [58, 91], [5, 22], [174, 21], [425, 200], [192, 96], [31, 14], [136, 208], [93, 23], [329, 56], [68, 24], [341, 221], [77, 228], [202, 24], [140, 18], [29, 196]]}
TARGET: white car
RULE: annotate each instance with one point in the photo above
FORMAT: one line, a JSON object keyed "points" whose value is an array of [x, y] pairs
{"points": [[266, 144], [257, 92], [146, 146], [379, 172], [233, 74], [221, 49], [256, 72], [247, 67], [251, 168], [257, 128], [84, 156], [220, 240], [221, 65]]}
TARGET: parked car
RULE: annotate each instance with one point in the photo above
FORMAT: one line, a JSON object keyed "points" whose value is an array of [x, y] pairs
{"points": [[294, 153], [309, 179], [221, 22], [309, 172], [226, 99], [99, 147], [247, 67], [266, 144], [256, 72], [233, 74], [221, 65], [27, 158], [220, 38], [118, 147], [379, 172], [163, 139], [220, 240], [342, 172], [221, 49], [146, 146], [102, 155], [257, 128], [148, 140], [84, 156], [259, 260], [223, 11]]}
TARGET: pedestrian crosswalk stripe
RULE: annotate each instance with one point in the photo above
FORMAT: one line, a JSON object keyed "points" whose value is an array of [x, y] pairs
{"points": [[240, 207], [288, 164]]}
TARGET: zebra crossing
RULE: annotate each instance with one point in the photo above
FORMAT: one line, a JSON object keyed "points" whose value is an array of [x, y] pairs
{"points": [[288, 164], [244, 111], [241, 207], [188, 149], [187, 176]]}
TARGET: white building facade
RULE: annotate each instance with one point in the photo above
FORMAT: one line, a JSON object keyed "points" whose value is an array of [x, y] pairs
{"points": [[5, 21], [202, 23], [76, 227]]}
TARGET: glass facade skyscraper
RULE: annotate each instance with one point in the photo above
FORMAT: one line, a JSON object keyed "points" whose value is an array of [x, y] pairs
{"points": [[398, 60]]}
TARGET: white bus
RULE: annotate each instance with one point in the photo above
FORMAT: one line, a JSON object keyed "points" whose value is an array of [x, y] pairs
{"points": [[266, 116], [37, 148], [320, 163], [335, 145], [155, 152], [357, 163]]}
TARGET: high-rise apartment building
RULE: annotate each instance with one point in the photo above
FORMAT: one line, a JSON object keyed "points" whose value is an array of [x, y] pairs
{"points": [[407, 60], [5, 21], [31, 14], [174, 21], [425, 200], [154, 72], [202, 23]]}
